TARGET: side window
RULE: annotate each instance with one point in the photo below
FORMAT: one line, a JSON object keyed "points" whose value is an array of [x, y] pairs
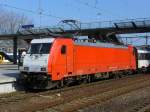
{"points": [[63, 49], [140, 56]]}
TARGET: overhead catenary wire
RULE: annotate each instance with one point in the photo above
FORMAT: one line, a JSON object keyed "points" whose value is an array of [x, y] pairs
{"points": [[96, 2], [31, 11], [40, 12], [94, 7]]}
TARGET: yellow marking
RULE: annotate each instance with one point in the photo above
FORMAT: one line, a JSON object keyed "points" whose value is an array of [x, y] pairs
{"points": [[1, 58]]}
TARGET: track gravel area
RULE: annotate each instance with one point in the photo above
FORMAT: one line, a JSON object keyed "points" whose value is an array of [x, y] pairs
{"points": [[111, 95]]}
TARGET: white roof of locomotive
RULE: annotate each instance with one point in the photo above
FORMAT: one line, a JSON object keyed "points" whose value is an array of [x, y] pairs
{"points": [[43, 40]]}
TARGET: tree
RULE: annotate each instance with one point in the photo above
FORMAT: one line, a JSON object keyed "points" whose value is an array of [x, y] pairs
{"points": [[11, 21]]}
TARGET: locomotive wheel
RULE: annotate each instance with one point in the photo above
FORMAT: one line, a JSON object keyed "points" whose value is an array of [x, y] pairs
{"points": [[111, 75], [52, 85], [90, 78], [60, 84]]}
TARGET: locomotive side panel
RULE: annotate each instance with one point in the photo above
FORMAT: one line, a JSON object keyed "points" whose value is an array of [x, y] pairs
{"points": [[125, 58], [121, 59], [89, 60]]}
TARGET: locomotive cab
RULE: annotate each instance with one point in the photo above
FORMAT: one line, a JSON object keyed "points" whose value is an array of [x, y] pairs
{"points": [[36, 59], [47, 61], [35, 62]]}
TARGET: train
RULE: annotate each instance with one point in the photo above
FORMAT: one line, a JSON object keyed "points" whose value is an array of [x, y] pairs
{"points": [[143, 58], [55, 62]]}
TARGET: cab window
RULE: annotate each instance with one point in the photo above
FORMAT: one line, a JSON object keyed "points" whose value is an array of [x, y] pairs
{"points": [[39, 48], [63, 49]]}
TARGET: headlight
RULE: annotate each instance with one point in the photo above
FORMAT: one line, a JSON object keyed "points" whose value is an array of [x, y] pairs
{"points": [[43, 69], [26, 68]]}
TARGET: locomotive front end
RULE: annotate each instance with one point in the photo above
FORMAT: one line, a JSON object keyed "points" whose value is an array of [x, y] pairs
{"points": [[35, 73]]}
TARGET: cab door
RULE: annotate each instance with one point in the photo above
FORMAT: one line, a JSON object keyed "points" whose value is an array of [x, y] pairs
{"points": [[70, 59], [59, 60], [62, 62]]}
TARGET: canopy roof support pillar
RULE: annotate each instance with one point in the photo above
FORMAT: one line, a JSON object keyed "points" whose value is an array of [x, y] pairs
{"points": [[15, 46]]}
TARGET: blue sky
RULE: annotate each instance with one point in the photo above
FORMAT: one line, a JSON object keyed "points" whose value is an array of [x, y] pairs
{"points": [[82, 10]]}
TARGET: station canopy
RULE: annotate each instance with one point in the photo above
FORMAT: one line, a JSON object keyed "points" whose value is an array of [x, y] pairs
{"points": [[85, 29]]}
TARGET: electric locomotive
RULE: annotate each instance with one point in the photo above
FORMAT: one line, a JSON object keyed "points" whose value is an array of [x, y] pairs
{"points": [[52, 62]]}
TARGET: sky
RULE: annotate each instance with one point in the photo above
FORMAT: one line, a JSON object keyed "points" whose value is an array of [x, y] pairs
{"points": [[82, 10], [53, 11]]}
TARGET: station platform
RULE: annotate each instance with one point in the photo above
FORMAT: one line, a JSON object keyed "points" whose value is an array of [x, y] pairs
{"points": [[8, 76]]}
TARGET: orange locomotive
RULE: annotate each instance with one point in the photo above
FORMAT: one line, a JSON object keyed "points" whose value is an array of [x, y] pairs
{"points": [[54, 61]]}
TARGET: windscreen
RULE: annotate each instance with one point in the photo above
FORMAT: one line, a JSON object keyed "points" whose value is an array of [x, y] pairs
{"points": [[39, 48]]}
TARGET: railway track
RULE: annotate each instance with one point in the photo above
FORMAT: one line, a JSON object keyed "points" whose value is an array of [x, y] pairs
{"points": [[142, 108], [73, 98], [25, 94], [134, 101], [101, 97]]}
